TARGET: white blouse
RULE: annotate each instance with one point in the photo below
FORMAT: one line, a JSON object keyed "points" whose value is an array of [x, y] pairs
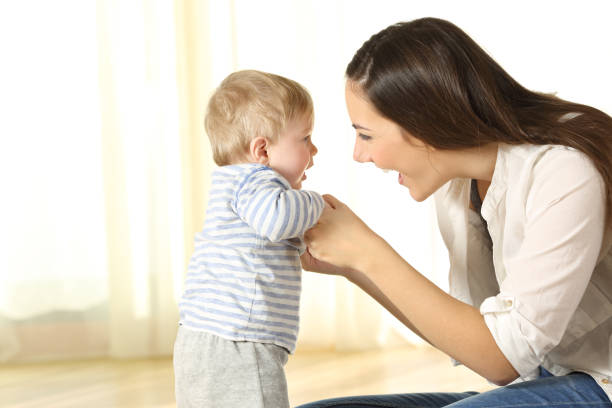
{"points": [[545, 286]]}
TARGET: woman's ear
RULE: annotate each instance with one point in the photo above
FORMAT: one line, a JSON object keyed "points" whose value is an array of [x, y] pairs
{"points": [[259, 150]]}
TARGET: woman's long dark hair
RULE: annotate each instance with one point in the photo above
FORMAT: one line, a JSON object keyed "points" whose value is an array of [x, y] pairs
{"points": [[433, 80]]}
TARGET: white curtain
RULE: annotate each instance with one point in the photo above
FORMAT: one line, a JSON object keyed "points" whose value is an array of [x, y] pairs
{"points": [[104, 163], [93, 236], [52, 242]]}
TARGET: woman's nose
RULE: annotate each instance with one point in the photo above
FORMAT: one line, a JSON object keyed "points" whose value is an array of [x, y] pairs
{"points": [[359, 154]]}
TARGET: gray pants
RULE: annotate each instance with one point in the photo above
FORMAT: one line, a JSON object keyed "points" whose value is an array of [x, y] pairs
{"points": [[210, 371]]}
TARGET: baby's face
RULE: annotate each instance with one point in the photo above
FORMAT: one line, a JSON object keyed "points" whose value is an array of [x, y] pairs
{"points": [[292, 154]]}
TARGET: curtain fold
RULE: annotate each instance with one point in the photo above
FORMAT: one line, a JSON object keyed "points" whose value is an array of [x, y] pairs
{"points": [[143, 174], [96, 238], [53, 264]]}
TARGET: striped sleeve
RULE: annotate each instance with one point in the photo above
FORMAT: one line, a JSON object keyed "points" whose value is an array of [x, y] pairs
{"points": [[266, 202]]}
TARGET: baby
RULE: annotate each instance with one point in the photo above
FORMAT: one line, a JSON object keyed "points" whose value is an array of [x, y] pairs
{"points": [[239, 310]]}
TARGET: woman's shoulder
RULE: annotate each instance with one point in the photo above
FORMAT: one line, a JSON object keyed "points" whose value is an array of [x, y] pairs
{"points": [[544, 173], [537, 159], [540, 175], [521, 169], [525, 151]]}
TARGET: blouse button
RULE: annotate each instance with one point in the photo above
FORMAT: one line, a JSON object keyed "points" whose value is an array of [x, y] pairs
{"points": [[508, 303], [605, 381]]}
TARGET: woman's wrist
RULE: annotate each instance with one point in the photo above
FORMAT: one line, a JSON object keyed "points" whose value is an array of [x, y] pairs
{"points": [[373, 254]]}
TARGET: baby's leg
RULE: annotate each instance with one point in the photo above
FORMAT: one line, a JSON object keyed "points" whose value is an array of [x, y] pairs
{"points": [[214, 372], [271, 360]]}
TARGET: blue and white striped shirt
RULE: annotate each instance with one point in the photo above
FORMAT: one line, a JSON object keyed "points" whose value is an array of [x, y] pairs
{"points": [[244, 279]]}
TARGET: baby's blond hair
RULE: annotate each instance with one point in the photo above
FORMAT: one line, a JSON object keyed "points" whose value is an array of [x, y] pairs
{"points": [[248, 104]]}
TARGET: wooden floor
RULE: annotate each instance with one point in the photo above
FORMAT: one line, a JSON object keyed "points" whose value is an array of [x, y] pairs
{"points": [[310, 375]]}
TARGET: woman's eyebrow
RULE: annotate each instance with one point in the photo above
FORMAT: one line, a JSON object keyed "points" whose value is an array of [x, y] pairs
{"points": [[360, 127]]}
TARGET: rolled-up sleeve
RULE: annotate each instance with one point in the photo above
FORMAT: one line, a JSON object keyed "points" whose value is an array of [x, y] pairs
{"points": [[514, 334], [550, 260]]}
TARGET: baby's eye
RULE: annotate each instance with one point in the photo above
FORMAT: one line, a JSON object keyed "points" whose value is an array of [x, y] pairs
{"points": [[307, 138], [364, 137]]}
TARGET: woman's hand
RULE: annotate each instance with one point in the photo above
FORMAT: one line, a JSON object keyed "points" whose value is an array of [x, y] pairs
{"points": [[312, 264], [340, 241]]}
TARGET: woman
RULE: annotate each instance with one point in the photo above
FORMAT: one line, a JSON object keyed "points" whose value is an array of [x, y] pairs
{"points": [[523, 189]]}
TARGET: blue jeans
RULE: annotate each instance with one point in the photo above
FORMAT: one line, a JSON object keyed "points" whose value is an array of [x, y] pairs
{"points": [[575, 390]]}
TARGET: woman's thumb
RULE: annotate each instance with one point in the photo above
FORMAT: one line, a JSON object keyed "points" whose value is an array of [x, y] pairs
{"points": [[332, 201]]}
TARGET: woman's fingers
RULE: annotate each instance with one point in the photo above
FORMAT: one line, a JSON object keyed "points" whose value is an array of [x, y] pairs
{"points": [[308, 236], [332, 201], [338, 237], [311, 263], [307, 261]]}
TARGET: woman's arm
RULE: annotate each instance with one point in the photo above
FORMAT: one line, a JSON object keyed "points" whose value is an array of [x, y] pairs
{"points": [[458, 329]]}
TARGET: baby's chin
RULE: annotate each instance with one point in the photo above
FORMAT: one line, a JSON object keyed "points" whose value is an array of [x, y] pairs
{"points": [[297, 185]]}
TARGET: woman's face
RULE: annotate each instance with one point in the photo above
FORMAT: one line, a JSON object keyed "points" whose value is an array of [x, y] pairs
{"points": [[384, 143]]}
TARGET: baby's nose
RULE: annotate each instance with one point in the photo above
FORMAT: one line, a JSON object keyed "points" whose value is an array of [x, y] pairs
{"points": [[313, 150]]}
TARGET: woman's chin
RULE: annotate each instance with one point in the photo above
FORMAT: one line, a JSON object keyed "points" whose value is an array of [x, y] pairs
{"points": [[417, 195]]}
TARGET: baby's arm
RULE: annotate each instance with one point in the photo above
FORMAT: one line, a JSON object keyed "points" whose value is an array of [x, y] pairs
{"points": [[275, 211]]}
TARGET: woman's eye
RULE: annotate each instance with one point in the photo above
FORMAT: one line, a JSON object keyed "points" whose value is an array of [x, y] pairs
{"points": [[364, 137], [307, 138]]}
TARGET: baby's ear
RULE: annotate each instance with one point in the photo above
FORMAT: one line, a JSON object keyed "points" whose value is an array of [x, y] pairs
{"points": [[258, 150]]}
